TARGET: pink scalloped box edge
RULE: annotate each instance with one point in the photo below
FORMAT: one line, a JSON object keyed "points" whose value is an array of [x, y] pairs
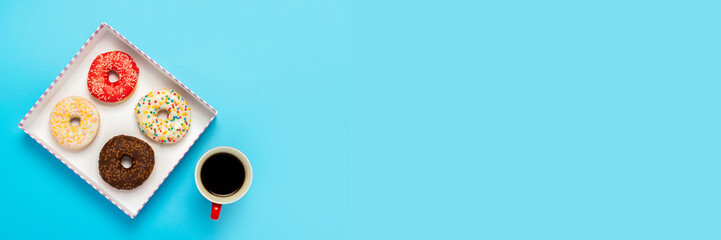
{"points": [[102, 25]]}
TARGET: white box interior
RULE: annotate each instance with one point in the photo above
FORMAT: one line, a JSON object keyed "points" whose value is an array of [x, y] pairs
{"points": [[115, 119]]}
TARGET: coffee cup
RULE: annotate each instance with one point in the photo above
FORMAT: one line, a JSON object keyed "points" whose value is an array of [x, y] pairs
{"points": [[223, 175]]}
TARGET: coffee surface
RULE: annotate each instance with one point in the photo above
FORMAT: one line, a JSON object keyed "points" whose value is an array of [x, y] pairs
{"points": [[222, 174]]}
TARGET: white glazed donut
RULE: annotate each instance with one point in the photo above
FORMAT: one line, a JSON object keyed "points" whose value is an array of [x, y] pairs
{"points": [[167, 130], [74, 137]]}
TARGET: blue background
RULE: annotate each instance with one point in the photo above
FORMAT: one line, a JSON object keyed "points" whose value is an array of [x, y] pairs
{"points": [[365, 120]]}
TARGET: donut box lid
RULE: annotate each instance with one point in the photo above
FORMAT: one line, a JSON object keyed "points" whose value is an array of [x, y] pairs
{"points": [[115, 118]]}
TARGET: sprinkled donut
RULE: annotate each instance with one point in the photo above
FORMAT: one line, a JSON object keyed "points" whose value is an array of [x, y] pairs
{"points": [[67, 135], [114, 173], [164, 130], [99, 84]]}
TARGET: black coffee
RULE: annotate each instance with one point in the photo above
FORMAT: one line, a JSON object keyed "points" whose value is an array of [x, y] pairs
{"points": [[222, 174]]}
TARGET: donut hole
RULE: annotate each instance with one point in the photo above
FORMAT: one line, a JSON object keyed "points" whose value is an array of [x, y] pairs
{"points": [[126, 162], [75, 121], [163, 114], [113, 77]]}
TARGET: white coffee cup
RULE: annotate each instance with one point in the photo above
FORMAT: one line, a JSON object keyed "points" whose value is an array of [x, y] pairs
{"points": [[219, 200]]}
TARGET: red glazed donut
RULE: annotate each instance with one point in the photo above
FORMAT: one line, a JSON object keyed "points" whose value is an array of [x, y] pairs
{"points": [[122, 64]]}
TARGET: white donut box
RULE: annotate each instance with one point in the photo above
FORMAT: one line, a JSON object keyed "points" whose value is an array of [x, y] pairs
{"points": [[115, 118]]}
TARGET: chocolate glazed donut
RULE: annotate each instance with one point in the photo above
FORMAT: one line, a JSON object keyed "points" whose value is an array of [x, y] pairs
{"points": [[141, 154]]}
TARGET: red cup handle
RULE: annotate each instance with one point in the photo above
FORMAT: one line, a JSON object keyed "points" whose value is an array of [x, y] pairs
{"points": [[215, 211]]}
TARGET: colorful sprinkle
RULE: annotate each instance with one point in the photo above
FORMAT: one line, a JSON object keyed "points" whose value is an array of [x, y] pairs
{"points": [[161, 130]]}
